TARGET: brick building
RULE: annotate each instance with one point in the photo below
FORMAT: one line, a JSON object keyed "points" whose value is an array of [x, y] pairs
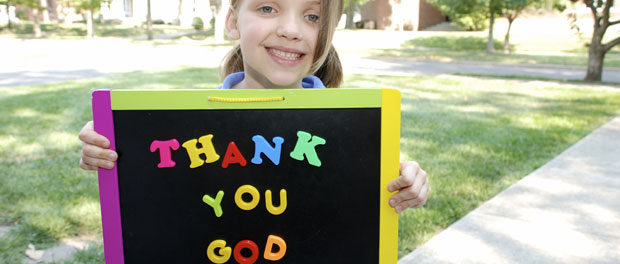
{"points": [[401, 14]]}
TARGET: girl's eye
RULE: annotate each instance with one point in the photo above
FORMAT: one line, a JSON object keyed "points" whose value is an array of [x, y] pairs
{"points": [[313, 18], [267, 9]]}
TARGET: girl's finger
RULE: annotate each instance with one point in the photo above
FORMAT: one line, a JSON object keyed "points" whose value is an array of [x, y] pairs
{"points": [[98, 153], [89, 136], [99, 163]]}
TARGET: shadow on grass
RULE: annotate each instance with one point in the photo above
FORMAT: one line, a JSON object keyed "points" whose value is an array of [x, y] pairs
{"points": [[42, 189]]}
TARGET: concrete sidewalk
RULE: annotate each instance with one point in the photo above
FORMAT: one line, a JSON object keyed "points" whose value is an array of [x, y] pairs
{"points": [[567, 211]]}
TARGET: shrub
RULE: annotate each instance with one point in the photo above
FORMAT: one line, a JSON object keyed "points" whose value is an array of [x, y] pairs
{"points": [[197, 23], [453, 43]]}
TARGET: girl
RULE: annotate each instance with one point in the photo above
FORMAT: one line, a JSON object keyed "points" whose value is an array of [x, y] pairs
{"points": [[283, 44]]}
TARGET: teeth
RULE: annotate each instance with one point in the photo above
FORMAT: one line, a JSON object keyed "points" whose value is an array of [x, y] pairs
{"points": [[285, 55]]}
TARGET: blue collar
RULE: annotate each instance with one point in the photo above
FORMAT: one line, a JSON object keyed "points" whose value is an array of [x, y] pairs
{"points": [[233, 79]]}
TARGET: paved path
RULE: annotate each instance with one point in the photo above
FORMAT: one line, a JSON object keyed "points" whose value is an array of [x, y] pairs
{"points": [[567, 211], [36, 61], [44, 61], [408, 67]]}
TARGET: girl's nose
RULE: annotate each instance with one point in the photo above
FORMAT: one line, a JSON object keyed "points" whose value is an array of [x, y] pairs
{"points": [[289, 29]]}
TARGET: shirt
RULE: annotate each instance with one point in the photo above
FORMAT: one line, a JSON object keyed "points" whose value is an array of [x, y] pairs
{"points": [[233, 79]]}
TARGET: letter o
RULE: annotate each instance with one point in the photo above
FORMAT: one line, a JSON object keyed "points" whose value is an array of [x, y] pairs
{"points": [[247, 205], [249, 244], [224, 251]]}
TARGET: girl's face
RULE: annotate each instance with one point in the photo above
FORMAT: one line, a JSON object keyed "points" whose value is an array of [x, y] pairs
{"points": [[277, 39]]}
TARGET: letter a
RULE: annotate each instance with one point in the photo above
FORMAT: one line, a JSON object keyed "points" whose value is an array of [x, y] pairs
{"points": [[165, 159], [233, 155], [194, 152], [262, 146], [305, 146]]}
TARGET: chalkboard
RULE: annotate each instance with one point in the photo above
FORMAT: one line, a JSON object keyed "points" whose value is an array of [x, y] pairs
{"points": [[244, 176]]}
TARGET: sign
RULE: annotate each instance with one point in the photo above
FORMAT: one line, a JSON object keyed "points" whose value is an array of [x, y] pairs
{"points": [[249, 176]]}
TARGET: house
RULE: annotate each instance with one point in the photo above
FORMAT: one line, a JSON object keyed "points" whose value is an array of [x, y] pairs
{"points": [[125, 11], [174, 12], [401, 14]]}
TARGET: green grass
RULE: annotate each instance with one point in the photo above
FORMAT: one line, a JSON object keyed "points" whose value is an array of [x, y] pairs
{"points": [[534, 78], [474, 136], [569, 59], [456, 43], [554, 46], [101, 30]]}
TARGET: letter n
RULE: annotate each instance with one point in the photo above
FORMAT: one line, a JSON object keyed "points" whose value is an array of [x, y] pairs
{"points": [[305, 145], [262, 146]]}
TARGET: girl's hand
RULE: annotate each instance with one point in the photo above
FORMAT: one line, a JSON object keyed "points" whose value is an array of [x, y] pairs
{"points": [[412, 187], [95, 152]]}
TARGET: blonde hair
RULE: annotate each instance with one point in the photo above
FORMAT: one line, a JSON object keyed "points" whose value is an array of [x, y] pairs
{"points": [[326, 65]]}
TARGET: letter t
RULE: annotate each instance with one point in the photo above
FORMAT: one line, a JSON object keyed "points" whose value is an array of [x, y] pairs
{"points": [[165, 159]]}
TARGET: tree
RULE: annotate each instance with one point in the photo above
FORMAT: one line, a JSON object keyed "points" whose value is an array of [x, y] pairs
{"points": [[511, 9], [597, 50], [494, 7], [35, 6], [469, 15], [8, 3], [90, 6], [350, 10], [149, 21]]}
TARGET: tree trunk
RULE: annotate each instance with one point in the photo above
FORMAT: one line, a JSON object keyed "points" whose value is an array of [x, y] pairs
{"points": [[220, 21], [36, 27], [8, 13], [90, 25], [507, 38], [596, 54], [490, 43], [149, 21], [350, 14], [180, 12]]}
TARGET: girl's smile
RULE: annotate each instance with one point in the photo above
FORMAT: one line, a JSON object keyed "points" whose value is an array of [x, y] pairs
{"points": [[285, 56]]}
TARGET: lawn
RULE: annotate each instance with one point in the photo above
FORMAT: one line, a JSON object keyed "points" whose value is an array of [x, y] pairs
{"points": [[534, 40], [474, 136], [59, 30]]}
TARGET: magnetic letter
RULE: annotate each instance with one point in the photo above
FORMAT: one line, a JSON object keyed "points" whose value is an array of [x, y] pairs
{"points": [[215, 203], [275, 256], [262, 146], [233, 155], [224, 251], [194, 152], [249, 244], [252, 191], [305, 146], [269, 204], [165, 160]]}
